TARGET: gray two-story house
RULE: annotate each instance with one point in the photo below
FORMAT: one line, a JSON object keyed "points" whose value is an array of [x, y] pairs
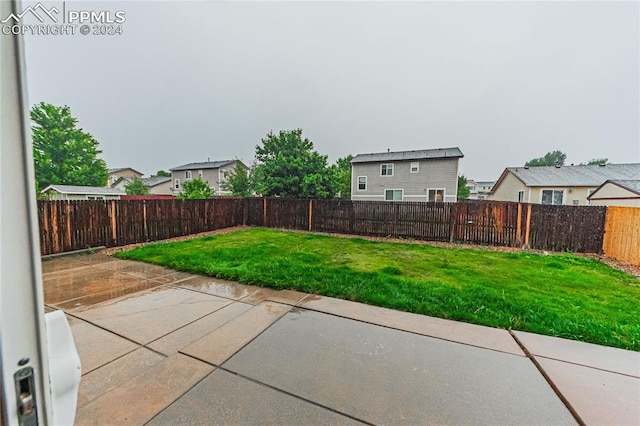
{"points": [[423, 175], [212, 172]]}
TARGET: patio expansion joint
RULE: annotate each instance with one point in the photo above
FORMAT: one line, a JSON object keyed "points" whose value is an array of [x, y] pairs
{"points": [[535, 362], [587, 366], [298, 397], [409, 331]]}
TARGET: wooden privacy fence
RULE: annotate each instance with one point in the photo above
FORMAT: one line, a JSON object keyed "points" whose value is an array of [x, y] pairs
{"points": [[622, 234], [73, 225]]}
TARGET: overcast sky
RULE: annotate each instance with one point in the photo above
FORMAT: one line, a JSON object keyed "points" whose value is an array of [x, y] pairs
{"points": [[504, 81]]}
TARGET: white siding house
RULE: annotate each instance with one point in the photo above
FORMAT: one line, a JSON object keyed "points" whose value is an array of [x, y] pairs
{"points": [[559, 185], [212, 172], [72, 192], [423, 175], [625, 193]]}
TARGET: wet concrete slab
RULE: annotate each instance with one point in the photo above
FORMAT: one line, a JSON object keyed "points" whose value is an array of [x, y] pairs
{"points": [[287, 297], [233, 400], [83, 283], [173, 278], [380, 375], [147, 316], [59, 264], [599, 397], [97, 347], [587, 354], [217, 346], [471, 334], [139, 399], [111, 375], [186, 335], [95, 258], [136, 269], [217, 287], [85, 302]]}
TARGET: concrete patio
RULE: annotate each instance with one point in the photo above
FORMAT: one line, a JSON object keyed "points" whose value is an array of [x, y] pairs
{"points": [[164, 347]]}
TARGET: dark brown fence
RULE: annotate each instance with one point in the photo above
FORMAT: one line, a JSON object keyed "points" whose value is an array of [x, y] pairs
{"points": [[73, 225]]}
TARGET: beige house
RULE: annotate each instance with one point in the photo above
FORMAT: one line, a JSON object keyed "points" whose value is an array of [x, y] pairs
{"points": [[625, 193], [72, 192], [423, 175], [158, 185], [116, 174], [212, 172], [558, 185]]}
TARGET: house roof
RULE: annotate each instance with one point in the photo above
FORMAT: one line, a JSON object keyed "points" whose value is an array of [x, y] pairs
{"points": [[203, 165], [629, 185], [422, 154], [116, 170], [91, 190], [588, 175], [155, 180]]}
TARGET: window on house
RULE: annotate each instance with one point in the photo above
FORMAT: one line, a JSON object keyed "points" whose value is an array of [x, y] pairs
{"points": [[521, 196], [187, 175], [415, 167], [552, 197], [362, 183], [436, 195], [576, 202], [590, 191], [90, 197], [200, 174], [393, 194], [386, 170], [176, 184]]}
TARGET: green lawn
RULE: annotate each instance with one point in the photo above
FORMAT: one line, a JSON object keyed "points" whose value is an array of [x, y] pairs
{"points": [[560, 294]]}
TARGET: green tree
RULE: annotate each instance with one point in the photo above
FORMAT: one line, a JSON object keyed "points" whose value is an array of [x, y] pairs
{"points": [[554, 158], [288, 166], [342, 176], [195, 189], [136, 187], [62, 153], [595, 161], [237, 181], [463, 191], [163, 173]]}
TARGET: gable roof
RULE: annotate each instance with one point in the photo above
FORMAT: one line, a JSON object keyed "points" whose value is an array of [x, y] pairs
{"points": [[74, 189], [423, 154], [587, 175], [155, 180], [110, 171], [629, 185], [203, 165]]}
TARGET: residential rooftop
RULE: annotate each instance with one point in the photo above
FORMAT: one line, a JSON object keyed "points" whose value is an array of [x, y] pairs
{"points": [[75, 189], [422, 154], [582, 175], [202, 165]]}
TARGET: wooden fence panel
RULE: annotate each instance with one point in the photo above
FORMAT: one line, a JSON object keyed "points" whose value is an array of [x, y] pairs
{"points": [[567, 228], [287, 213], [486, 223], [622, 234]]}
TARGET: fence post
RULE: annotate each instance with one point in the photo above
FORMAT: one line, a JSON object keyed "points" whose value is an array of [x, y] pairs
{"points": [[144, 219], [527, 226], [452, 218], [114, 235], [310, 213], [519, 227], [264, 211]]}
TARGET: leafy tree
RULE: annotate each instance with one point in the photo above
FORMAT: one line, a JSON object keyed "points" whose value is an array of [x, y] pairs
{"points": [[595, 161], [195, 189], [62, 153], [163, 173], [136, 187], [342, 175], [554, 158], [237, 181], [463, 191], [288, 166]]}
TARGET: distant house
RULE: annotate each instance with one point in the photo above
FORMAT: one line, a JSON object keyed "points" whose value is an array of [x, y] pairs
{"points": [[558, 185], [158, 185], [72, 192], [478, 190], [127, 172], [617, 193], [423, 175], [209, 171]]}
